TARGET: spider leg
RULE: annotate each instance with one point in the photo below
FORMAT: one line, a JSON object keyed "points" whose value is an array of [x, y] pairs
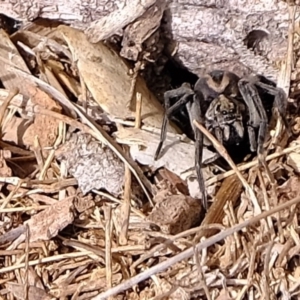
{"points": [[257, 115], [195, 113], [184, 92], [280, 101], [257, 118]]}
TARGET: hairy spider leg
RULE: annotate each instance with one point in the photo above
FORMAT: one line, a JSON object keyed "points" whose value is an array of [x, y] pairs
{"points": [[257, 118], [193, 107], [280, 101], [184, 92], [195, 113], [257, 115]]}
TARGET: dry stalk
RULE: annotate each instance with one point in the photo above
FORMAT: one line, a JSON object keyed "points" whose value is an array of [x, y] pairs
{"points": [[125, 208], [5, 105], [190, 251], [26, 250], [135, 74], [10, 196], [114, 199], [138, 114], [45, 260], [108, 243], [37, 150], [51, 154], [266, 272], [269, 224]]}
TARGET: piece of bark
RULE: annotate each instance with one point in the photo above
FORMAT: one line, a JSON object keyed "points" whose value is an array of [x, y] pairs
{"points": [[175, 214], [139, 31], [206, 35], [94, 165], [46, 224], [230, 190], [126, 13]]}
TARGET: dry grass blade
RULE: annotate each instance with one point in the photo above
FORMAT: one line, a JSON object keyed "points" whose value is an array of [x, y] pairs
{"points": [[5, 104], [221, 149], [26, 285], [138, 118], [125, 208], [284, 80], [190, 251], [108, 243]]}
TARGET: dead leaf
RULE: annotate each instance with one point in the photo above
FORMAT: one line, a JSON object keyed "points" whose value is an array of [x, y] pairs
{"points": [[108, 79]]}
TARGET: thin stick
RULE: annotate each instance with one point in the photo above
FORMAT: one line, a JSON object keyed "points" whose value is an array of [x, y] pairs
{"points": [[46, 260], [108, 240], [125, 208], [220, 148], [138, 112], [136, 70], [26, 278], [190, 251]]}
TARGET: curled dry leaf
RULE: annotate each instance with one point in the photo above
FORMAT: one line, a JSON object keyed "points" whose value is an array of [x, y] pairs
{"points": [[293, 158], [94, 165]]}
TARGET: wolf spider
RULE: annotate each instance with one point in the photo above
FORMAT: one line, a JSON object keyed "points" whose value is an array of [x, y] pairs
{"points": [[226, 105]]}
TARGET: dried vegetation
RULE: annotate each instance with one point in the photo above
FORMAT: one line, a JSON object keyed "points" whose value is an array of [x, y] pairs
{"points": [[79, 219]]}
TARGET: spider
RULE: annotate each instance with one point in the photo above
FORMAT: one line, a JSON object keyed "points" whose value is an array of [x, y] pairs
{"points": [[230, 107]]}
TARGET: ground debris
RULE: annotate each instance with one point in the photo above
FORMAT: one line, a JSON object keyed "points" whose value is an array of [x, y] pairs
{"points": [[67, 229]]}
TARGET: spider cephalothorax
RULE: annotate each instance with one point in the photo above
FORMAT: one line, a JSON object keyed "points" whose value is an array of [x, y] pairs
{"points": [[223, 116], [232, 108]]}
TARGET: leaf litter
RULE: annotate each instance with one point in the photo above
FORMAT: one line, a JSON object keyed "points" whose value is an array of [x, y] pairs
{"points": [[79, 218]]}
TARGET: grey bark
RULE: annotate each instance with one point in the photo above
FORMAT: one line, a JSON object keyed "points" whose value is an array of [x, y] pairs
{"points": [[202, 34]]}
